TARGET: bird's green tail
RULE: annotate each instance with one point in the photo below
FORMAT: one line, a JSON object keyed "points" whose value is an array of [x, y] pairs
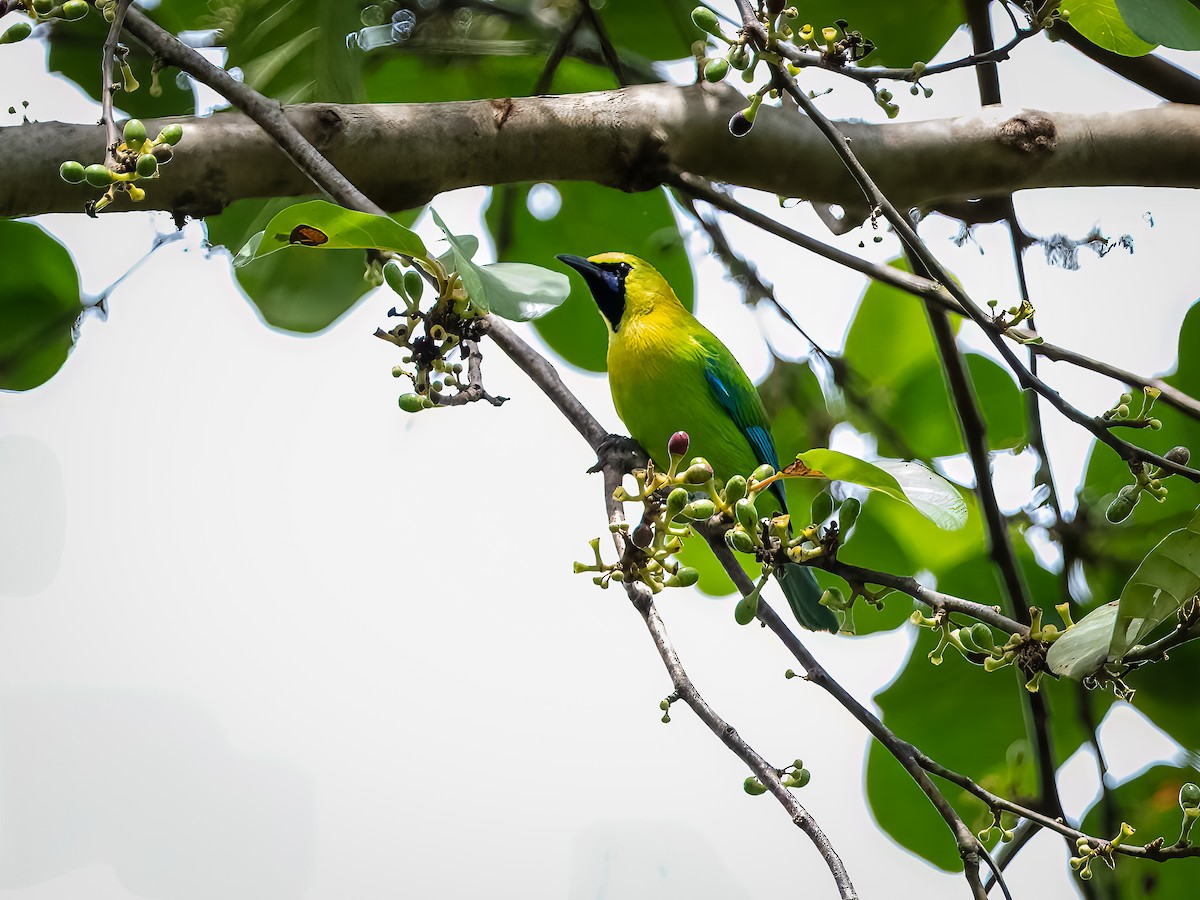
{"points": [[804, 597]]}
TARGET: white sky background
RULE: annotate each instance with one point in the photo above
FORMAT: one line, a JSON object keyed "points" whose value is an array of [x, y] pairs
{"points": [[280, 640]]}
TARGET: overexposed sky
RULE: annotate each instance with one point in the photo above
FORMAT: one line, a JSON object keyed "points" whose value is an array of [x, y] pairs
{"points": [[262, 635]]}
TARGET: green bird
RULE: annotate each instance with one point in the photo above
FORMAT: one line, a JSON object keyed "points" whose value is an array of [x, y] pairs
{"points": [[669, 373]]}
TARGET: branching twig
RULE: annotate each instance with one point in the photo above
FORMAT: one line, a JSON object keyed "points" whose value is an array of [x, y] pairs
{"points": [[108, 87]]}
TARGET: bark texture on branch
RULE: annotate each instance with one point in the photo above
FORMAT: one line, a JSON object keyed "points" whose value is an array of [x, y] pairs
{"points": [[631, 139]]}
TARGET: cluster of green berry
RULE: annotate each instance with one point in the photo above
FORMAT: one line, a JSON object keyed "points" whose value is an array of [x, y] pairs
{"points": [[1089, 851], [978, 644], [676, 500], [39, 11], [836, 46], [791, 776], [135, 158], [430, 337]]}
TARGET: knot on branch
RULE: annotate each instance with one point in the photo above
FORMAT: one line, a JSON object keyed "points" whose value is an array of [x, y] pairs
{"points": [[1029, 133]]}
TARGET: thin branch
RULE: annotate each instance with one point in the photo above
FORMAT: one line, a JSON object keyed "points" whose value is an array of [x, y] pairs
{"points": [[1131, 453], [929, 290], [935, 600], [561, 46], [968, 844], [107, 86], [1151, 72]]}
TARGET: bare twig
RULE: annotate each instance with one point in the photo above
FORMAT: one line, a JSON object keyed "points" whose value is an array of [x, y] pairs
{"points": [[107, 86]]}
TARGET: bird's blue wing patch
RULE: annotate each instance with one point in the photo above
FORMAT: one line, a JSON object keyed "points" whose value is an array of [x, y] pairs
{"points": [[741, 409], [758, 435]]}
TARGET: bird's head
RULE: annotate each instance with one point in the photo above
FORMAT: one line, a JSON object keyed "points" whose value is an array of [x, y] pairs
{"points": [[623, 286]]}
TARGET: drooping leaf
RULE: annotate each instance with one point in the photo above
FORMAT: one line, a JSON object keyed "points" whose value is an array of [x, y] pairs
{"points": [[927, 492], [516, 291], [590, 219], [1084, 648], [1168, 577], [39, 303], [295, 291], [322, 225], [1172, 23], [1100, 22]]}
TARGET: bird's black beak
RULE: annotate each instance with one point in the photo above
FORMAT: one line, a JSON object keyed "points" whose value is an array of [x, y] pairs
{"points": [[588, 270], [607, 288]]}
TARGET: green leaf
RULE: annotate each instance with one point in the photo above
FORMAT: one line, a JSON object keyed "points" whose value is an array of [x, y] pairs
{"points": [[299, 292], [1084, 648], [903, 32], [1100, 22], [321, 225], [1168, 577], [516, 291], [1172, 23], [591, 219], [924, 705], [930, 494], [39, 304]]}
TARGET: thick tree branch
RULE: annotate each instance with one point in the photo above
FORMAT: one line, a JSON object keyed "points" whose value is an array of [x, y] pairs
{"points": [[632, 139]]}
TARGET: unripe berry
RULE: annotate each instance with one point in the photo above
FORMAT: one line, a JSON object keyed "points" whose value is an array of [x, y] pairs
{"points": [[134, 134], [739, 58], [1179, 455], [71, 172], [1189, 796], [393, 274], [706, 20], [700, 509], [700, 472], [753, 786], [715, 70], [147, 165], [98, 175], [74, 10], [735, 489], [412, 402], [685, 577], [739, 541], [41, 7], [15, 33], [172, 134], [414, 285]]}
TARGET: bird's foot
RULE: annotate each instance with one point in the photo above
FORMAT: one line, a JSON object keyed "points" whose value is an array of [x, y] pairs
{"points": [[620, 451]]}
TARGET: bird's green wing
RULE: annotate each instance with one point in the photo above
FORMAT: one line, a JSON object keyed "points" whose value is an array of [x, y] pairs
{"points": [[736, 394]]}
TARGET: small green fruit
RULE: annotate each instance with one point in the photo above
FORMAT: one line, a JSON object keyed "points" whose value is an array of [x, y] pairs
{"points": [[393, 274], [71, 172], [134, 134], [981, 635], [747, 514], [700, 472], [753, 786], [676, 501], [41, 7], [735, 489], [763, 472], [715, 70], [801, 778], [414, 285], [147, 165], [15, 33], [739, 58], [700, 509], [739, 541], [1189, 796], [98, 175], [172, 134], [73, 10], [685, 577], [746, 610], [412, 402], [706, 20]]}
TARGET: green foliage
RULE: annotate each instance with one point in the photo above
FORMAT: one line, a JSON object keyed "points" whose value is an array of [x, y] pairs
{"points": [[903, 33], [327, 226], [39, 303], [891, 349], [1100, 22], [928, 493], [294, 291], [1172, 23], [591, 220]]}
